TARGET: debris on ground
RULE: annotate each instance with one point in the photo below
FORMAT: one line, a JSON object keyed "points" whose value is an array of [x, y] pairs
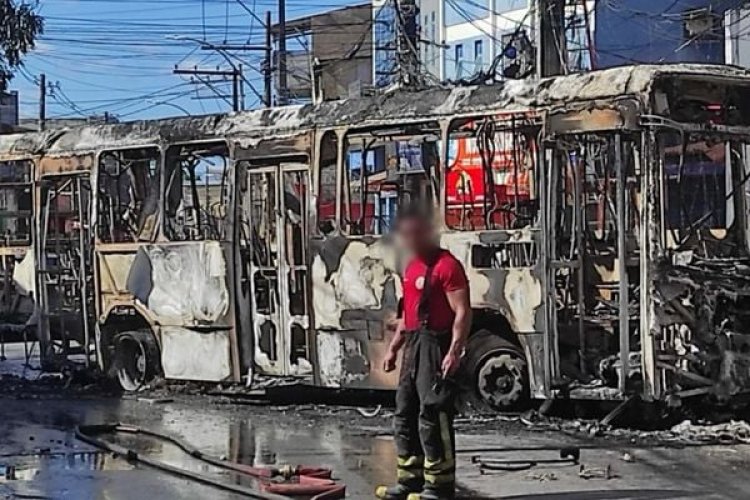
{"points": [[684, 433], [541, 476], [370, 413], [734, 431], [596, 472]]}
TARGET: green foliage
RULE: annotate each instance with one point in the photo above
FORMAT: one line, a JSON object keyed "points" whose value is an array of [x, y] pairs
{"points": [[19, 28]]}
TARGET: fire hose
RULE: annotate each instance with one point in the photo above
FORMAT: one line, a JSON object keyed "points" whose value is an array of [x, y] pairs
{"points": [[309, 481]]}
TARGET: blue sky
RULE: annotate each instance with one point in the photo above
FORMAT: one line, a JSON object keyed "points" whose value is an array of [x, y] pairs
{"points": [[116, 55]]}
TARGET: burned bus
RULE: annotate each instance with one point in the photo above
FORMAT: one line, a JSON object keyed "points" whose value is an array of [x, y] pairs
{"points": [[602, 219]]}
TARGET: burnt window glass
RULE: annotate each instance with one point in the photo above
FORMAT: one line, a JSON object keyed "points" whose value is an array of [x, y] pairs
{"points": [[697, 174], [16, 188], [128, 201], [197, 192], [326, 202], [383, 170], [489, 180]]}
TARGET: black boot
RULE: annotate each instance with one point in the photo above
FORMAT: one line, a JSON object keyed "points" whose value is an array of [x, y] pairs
{"points": [[429, 493], [397, 492]]}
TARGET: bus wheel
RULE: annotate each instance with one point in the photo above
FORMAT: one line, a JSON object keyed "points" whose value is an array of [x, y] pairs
{"points": [[136, 359], [500, 373]]}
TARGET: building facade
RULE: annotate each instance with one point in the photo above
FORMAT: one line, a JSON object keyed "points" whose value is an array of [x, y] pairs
{"points": [[459, 38], [329, 55], [656, 31], [8, 111]]}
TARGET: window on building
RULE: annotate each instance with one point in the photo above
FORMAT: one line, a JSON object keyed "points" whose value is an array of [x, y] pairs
{"points": [[478, 52], [459, 56], [459, 53]]}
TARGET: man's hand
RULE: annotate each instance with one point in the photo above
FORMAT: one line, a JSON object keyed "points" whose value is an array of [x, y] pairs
{"points": [[389, 363], [450, 363]]}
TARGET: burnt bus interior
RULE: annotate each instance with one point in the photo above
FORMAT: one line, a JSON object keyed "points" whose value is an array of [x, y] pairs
{"points": [[151, 197], [700, 291], [491, 204], [197, 192], [595, 258], [65, 274], [649, 250], [491, 167], [386, 168], [363, 176], [705, 299], [128, 195]]}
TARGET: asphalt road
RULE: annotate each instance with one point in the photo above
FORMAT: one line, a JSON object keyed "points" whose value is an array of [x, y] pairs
{"points": [[38, 440], [37, 422]]}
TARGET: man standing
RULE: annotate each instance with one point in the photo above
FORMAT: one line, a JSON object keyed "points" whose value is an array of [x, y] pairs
{"points": [[433, 328]]}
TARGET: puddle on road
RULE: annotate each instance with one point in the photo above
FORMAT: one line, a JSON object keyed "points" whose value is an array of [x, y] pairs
{"points": [[30, 467], [358, 459]]}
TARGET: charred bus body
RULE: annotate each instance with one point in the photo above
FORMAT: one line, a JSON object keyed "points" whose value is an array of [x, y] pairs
{"points": [[602, 219]]}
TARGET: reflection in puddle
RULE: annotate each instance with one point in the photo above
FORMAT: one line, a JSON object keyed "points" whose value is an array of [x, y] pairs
{"points": [[29, 467], [358, 458]]}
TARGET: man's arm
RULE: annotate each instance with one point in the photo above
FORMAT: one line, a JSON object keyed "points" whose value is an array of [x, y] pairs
{"points": [[461, 306], [397, 342]]}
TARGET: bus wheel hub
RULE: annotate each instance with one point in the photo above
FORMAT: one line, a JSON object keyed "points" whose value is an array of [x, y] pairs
{"points": [[500, 380]]}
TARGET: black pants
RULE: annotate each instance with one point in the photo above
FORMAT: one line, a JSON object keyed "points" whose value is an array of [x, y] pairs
{"points": [[425, 407]]}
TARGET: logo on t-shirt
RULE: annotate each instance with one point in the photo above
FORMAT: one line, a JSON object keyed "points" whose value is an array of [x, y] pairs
{"points": [[419, 283]]}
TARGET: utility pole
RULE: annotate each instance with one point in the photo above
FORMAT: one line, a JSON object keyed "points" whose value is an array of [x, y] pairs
{"points": [[283, 90], [42, 101], [268, 65], [234, 73], [550, 42], [235, 91], [407, 51], [242, 87]]}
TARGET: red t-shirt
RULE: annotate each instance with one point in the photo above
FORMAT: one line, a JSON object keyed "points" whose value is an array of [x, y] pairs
{"points": [[448, 275]]}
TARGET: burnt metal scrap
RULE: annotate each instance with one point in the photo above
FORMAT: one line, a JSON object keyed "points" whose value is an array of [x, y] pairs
{"points": [[705, 305]]}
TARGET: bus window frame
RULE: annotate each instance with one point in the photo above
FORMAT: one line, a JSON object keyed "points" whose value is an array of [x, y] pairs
{"points": [[534, 119], [31, 184], [95, 188], [230, 175], [432, 176]]}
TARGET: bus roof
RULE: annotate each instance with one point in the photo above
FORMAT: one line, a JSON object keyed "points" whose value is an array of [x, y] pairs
{"points": [[398, 106]]}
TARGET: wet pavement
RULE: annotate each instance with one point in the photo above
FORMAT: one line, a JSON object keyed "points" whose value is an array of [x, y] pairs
{"points": [[38, 440]]}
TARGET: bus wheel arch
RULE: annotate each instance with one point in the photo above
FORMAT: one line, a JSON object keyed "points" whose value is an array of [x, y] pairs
{"points": [[496, 364], [130, 349], [136, 359]]}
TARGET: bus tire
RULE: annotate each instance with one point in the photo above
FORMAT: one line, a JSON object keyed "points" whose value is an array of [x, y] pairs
{"points": [[136, 359], [499, 371]]}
